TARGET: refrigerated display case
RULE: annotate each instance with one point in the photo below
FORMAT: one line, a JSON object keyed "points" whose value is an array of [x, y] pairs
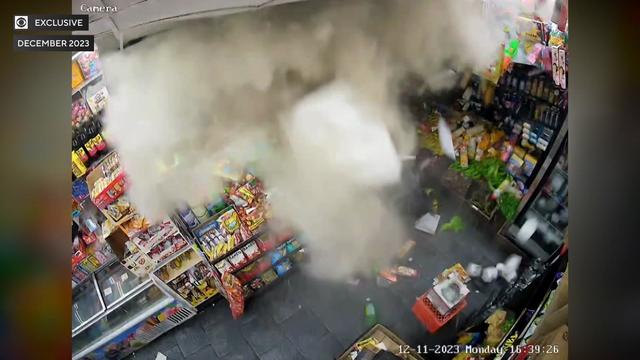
{"points": [[541, 224], [115, 313]]}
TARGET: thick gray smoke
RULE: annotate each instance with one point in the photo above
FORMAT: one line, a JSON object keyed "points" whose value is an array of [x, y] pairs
{"points": [[318, 81]]}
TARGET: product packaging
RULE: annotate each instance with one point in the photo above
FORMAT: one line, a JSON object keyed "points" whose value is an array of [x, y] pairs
{"points": [[283, 267], [98, 100], [76, 75], [237, 259], [251, 250], [269, 276], [89, 63], [530, 163], [406, 271], [223, 266]]}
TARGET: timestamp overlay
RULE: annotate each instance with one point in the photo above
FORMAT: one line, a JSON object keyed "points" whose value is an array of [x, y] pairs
{"points": [[481, 350]]}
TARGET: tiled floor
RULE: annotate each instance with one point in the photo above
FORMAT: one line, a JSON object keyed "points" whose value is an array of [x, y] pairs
{"points": [[304, 318]]}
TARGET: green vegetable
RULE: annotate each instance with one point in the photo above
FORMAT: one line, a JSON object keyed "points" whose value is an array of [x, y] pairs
{"points": [[508, 204], [454, 224]]}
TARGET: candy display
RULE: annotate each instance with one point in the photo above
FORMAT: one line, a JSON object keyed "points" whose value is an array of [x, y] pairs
{"points": [[167, 246], [119, 209], [237, 259], [249, 200], [107, 182], [80, 112], [89, 63], [218, 236], [76, 75], [195, 284], [98, 100]]}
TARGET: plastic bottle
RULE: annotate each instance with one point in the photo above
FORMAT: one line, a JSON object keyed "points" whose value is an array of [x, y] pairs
{"points": [[370, 313]]}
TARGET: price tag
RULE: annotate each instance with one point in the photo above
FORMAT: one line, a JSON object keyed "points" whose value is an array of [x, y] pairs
{"points": [[107, 291], [124, 277]]}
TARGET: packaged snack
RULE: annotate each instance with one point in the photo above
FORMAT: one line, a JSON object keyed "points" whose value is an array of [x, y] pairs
{"points": [[389, 275], [530, 163], [514, 166], [269, 276], [283, 267], [237, 259], [464, 159], [251, 250], [76, 75], [98, 100], [406, 271], [256, 284], [89, 63], [223, 266], [229, 221]]}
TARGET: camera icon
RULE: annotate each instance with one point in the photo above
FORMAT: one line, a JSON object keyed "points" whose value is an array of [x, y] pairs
{"points": [[20, 22]]}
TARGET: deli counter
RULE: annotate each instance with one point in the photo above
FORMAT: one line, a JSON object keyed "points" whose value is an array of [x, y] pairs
{"points": [[115, 312]]}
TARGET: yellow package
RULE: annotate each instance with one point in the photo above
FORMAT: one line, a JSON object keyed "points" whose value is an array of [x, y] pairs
{"points": [[484, 142], [496, 136], [76, 75]]}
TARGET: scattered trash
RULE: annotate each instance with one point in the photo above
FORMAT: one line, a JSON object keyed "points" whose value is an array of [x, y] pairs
{"points": [[428, 191], [382, 282], [428, 223], [474, 270], [410, 259], [161, 356], [353, 281], [405, 248], [389, 275], [370, 313], [477, 291], [435, 206], [455, 224], [406, 271], [489, 274]]}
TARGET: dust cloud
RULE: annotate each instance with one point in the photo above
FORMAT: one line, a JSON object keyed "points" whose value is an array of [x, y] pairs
{"points": [[318, 83]]}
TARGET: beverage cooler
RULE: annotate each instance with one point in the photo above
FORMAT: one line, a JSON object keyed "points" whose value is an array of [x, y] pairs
{"points": [[115, 312], [540, 227]]}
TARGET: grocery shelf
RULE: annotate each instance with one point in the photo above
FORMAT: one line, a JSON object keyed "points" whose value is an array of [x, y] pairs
{"points": [[175, 255], [193, 261], [279, 278], [205, 299], [273, 265], [85, 83], [238, 246], [265, 254]]}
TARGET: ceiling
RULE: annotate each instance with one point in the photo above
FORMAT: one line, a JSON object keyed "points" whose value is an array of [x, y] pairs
{"points": [[137, 18]]}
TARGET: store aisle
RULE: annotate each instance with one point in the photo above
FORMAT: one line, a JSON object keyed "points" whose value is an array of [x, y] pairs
{"points": [[304, 318]]}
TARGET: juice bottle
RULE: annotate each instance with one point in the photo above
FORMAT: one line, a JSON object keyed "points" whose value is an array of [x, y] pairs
{"points": [[370, 313]]}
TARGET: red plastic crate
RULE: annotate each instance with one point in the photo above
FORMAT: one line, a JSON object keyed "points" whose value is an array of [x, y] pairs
{"points": [[429, 316]]}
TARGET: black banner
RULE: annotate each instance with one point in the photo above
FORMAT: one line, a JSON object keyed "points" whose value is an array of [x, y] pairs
{"points": [[53, 42], [51, 22]]}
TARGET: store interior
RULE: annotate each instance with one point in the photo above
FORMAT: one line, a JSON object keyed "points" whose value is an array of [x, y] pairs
{"points": [[466, 247]]}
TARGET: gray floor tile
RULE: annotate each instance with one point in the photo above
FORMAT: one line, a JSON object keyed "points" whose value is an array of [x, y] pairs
{"points": [[191, 337], [262, 333], [303, 329], [283, 351], [326, 348], [225, 338], [205, 353]]}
